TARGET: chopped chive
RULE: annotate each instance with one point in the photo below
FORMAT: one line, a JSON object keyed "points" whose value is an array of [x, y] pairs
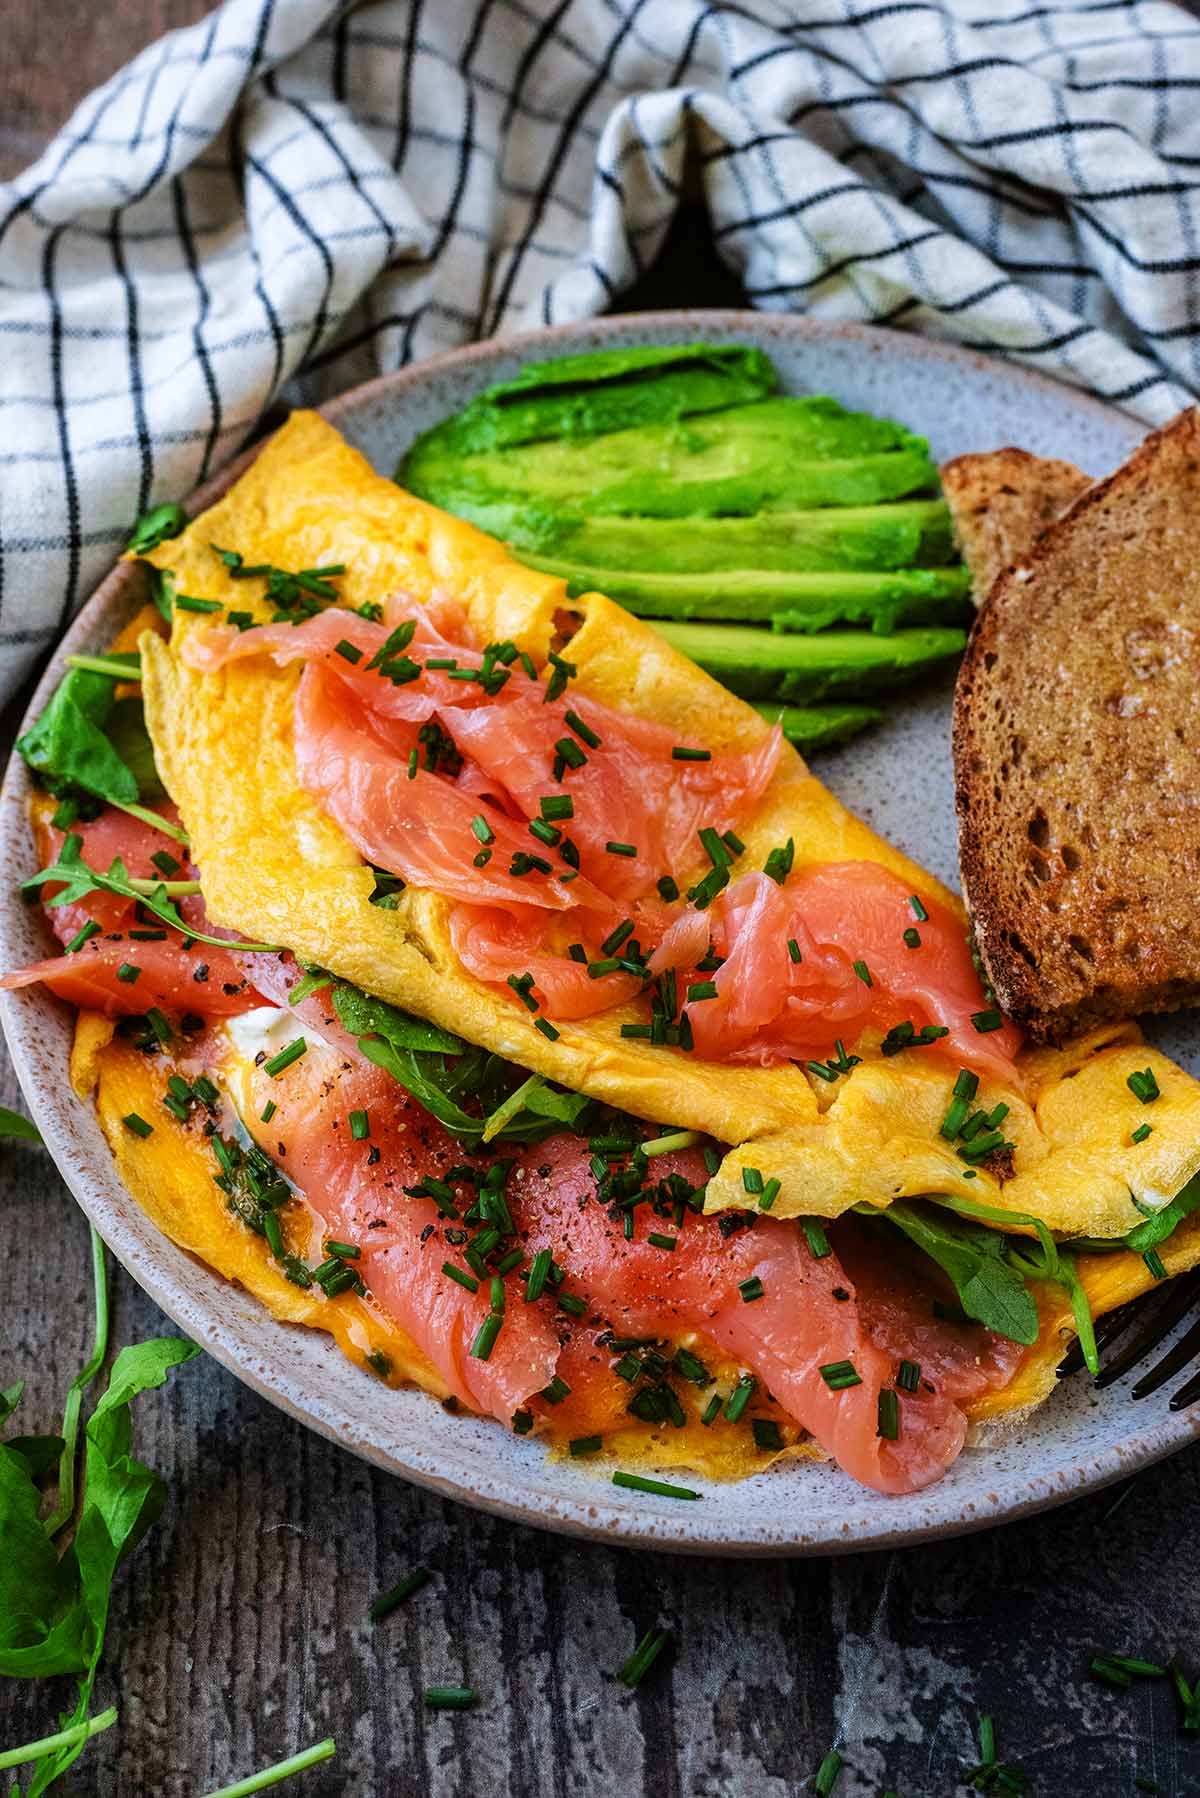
{"points": [[482, 859], [838, 1375], [598, 969], [779, 862], [567, 751], [545, 833], [987, 1021], [521, 985], [159, 1025], [709, 1414], [751, 1289], [585, 1445], [766, 1433], [888, 1415], [412, 764], [733, 842], [658, 1241], [128, 973], [908, 1378], [450, 1698], [818, 1242], [637, 1030], [918, 910], [89, 930], [643, 1658], [522, 1422], [1141, 1133], [360, 1126], [667, 888], [827, 1774], [547, 1029], [349, 652], [583, 731], [571, 1303], [769, 1194], [481, 829], [752, 1180], [1154, 1262], [739, 1398], [636, 1482], [1143, 1085], [626, 849], [681, 753], [912, 937], [556, 1391], [187, 603], [691, 1367], [273, 1231], [793, 949], [204, 1090], [701, 989], [268, 1111], [617, 937], [538, 1274], [286, 1058], [387, 1602], [459, 1277], [485, 1340], [863, 972], [666, 1145], [714, 847], [137, 1125]]}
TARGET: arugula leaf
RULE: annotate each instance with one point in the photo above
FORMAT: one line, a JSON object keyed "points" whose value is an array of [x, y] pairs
{"points": [[13, 1124], [405, 1066], [974, 1258], [79, 879], [363, 1015], [1157, 1228], [127, 733], [54, 1612], [68, 748]]}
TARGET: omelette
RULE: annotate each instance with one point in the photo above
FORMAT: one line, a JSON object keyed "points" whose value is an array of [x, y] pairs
{"points": [[497, 992]]}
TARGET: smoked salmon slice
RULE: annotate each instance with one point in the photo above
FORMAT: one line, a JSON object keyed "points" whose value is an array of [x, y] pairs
{"points": [[120, 974], [760, 1294]]}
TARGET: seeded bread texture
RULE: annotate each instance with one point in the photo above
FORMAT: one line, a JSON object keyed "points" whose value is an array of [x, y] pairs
{"points": [[1001, 502], [1077, 753]]}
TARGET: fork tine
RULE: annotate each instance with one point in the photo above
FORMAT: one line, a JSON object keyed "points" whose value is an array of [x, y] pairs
{"points": [[1107, 1330], [1178, 1301], [1187, 1395], [1183, 1352]]}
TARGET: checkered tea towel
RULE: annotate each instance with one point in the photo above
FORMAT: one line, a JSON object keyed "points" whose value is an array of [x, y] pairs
{"points": [[294, 195]]}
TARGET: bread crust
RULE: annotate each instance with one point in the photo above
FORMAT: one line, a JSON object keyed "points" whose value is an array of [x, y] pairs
{"points": [[1077, 753], [1001, 501]]}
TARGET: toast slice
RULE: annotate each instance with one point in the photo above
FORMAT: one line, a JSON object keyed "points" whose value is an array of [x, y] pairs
{"points": [[1001, 503], [1077, 753]]}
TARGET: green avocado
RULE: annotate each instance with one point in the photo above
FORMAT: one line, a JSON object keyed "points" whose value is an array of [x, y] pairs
{"points": [[818, 727], [882, 599], [778, 455], [604, 390], [910, 534], [761, 664]]}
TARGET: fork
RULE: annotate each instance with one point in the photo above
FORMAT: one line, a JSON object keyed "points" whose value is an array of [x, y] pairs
{"points": [[1156, 1321]]}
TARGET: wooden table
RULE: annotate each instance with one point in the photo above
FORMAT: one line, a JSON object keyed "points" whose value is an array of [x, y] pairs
{"points": [[239, 1630]]}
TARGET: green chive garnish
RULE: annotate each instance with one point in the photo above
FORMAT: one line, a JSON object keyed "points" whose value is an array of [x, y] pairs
{"points": [[583, 731], [137, 1125], [643, 1658], [547, 1029], [636, 1482], [89, 930], [793, 949], [863, 972], [485, 1340], [459, 1277], [766, 1433], [349, 652], [912, 937], [667, 888], [128, 973], [387, 1602], [739, 1398], [278, 1064], [557, 806], [360, 1126], [888, 1414], [769, 1194], [658, 1241], [1143, 1085], [838, 1375], [701, 989], [482, 829], [187, 603], [1141, 1133], [626, 849], [818, 1242], [987, 1021], [681, 753], [268, 1111], [827, 1774], [751, 1289], [585, 1445], [450, 1698], [709, 1413], [522, 1422], [556, 1391], [908, 1378], [918, 910]]}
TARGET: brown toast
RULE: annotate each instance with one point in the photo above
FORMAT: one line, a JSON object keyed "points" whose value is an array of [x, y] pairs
{"points": [[1077, 753], [1001, 503]]}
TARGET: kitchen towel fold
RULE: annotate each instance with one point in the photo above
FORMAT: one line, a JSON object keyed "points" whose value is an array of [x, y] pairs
{"points": [[294, 195]]}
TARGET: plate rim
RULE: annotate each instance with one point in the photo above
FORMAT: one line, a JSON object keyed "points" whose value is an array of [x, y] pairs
{"points": [[597, 1515]]}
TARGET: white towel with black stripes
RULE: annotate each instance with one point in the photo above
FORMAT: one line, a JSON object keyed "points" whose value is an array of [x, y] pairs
{"points": [[294, 195]]}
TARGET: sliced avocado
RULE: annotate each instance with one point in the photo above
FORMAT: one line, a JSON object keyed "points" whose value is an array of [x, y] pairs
{"points": [[778, 455], [911, 534], [794, 602], [763, 664], [603, 390], [812, 727]]}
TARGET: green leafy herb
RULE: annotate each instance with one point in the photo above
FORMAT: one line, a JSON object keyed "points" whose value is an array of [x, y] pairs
{"points": [[68, 747], [13, 1124], [155, 527], [988, 1288], [156, 896]]}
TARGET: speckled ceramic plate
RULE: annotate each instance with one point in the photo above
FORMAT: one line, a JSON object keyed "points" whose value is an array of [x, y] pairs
{"points": [[899, 778]]}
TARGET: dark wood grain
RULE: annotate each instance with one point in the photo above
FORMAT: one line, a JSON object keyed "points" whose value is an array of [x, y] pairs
{"points": [[239, 1630]]}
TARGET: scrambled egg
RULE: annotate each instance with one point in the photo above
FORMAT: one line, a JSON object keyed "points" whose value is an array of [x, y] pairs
{"points": [[276, 868]]}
